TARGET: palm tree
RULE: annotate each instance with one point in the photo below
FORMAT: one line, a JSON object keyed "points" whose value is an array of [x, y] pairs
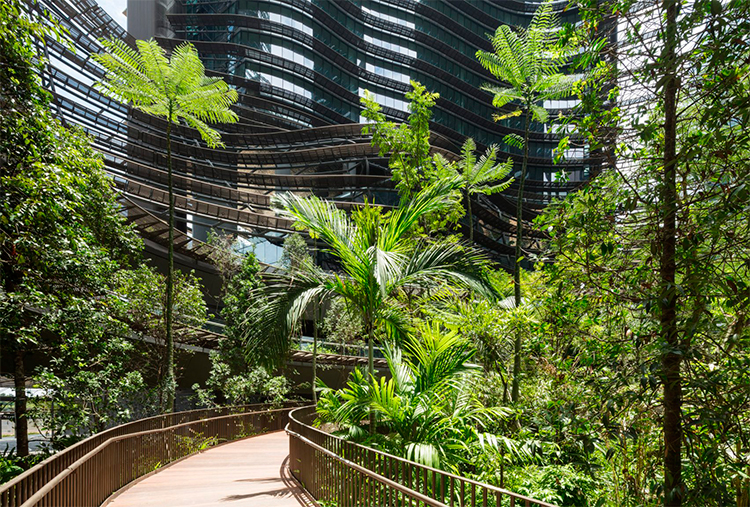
{"points": [[478, 176], [175, 88], [380, 260], [428, 411], [529, 60]]}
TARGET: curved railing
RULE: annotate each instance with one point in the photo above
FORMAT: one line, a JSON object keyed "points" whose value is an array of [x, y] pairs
{"points": [[87, 473], [351, 475]]}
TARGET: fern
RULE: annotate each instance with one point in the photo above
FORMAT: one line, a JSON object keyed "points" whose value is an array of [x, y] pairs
{"points": [[175, 88], [529, 60]]}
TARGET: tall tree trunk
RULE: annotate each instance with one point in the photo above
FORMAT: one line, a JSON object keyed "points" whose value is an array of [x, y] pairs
{"points": [[468, 212], [316, 316], [22, 423], [671, 357], [169, 380], [517, 264], [371, 362], [315, 350]]}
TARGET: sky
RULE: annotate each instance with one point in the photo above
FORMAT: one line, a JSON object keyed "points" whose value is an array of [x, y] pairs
{"points": [[114, 8]]}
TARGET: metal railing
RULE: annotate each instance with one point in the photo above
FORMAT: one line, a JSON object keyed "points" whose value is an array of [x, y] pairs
{"points": [[351, 475], [87, 473]]}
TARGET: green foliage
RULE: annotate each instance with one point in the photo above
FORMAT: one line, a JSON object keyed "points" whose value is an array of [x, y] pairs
{"points": [[342, 325], [62, 236], [296, 253], [408, 147], [239, 296], [175, 88], [529, 60], [232, 380], [379, 260], [8, 468], [253, 385], [645, 300], [482, 176], [558, 485], [12, 465], [142, 304], [91, 385], [427, 411], [408, 144]]}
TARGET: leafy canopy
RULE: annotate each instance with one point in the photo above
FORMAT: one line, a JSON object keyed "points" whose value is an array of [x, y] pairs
{"points": [[483, 175], [530, 61], [175, 88], [379, 260], [406, 144]]}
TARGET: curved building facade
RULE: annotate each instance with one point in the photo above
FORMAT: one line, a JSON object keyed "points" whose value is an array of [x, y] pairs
{"points": [[300, 67]]}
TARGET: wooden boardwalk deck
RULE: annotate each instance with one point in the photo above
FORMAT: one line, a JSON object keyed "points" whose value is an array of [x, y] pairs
{"points": [[249, 473]]}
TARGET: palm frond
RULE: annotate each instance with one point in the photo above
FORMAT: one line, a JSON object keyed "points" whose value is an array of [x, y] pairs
{"points": [[468, 159], [556, 86], [155, 65], [209, 135], [504, 62], [175, 88], [452, 263], [435, 197], [486, 171], [185, 70], [387, 267], [540, 39], [514, 140], [329, 223], [126, 78], [281, 302]]}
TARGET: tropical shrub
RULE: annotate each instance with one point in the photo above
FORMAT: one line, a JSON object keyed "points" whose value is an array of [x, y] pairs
{"points": [[427, 411]]}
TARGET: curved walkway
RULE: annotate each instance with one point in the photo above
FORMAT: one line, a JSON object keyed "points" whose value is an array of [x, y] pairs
{"points": [[252, 472]]}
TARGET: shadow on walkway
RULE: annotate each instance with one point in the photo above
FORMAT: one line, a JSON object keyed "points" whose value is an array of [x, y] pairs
{"points": [[250, 472]]}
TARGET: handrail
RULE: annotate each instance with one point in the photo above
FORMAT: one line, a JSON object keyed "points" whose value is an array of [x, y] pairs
{"points": [[368, 474], [440, 486], [177, 437]]}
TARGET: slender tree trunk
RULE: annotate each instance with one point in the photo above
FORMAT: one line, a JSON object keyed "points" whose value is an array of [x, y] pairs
{"points": [[517, 264], [371, 362], [22, 423], [315, 350], [671, 358], [316, 316], [468, 212], [169, 380]]}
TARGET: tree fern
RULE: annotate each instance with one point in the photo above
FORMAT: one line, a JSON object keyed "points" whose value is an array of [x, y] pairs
{"points": [[529, 60], [482, 176], [176, 88]]}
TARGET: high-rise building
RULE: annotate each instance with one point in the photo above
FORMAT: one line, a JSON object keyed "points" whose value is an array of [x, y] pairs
{"points": [[300, 67], [303, 65]]}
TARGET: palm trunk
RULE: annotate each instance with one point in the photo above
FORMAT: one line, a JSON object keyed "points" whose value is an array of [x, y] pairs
{"points": [[169, 380], [517, 264], [370, 351], [315, 350], [371, 363], [671, 359], [316, 316], [22, 423]]}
